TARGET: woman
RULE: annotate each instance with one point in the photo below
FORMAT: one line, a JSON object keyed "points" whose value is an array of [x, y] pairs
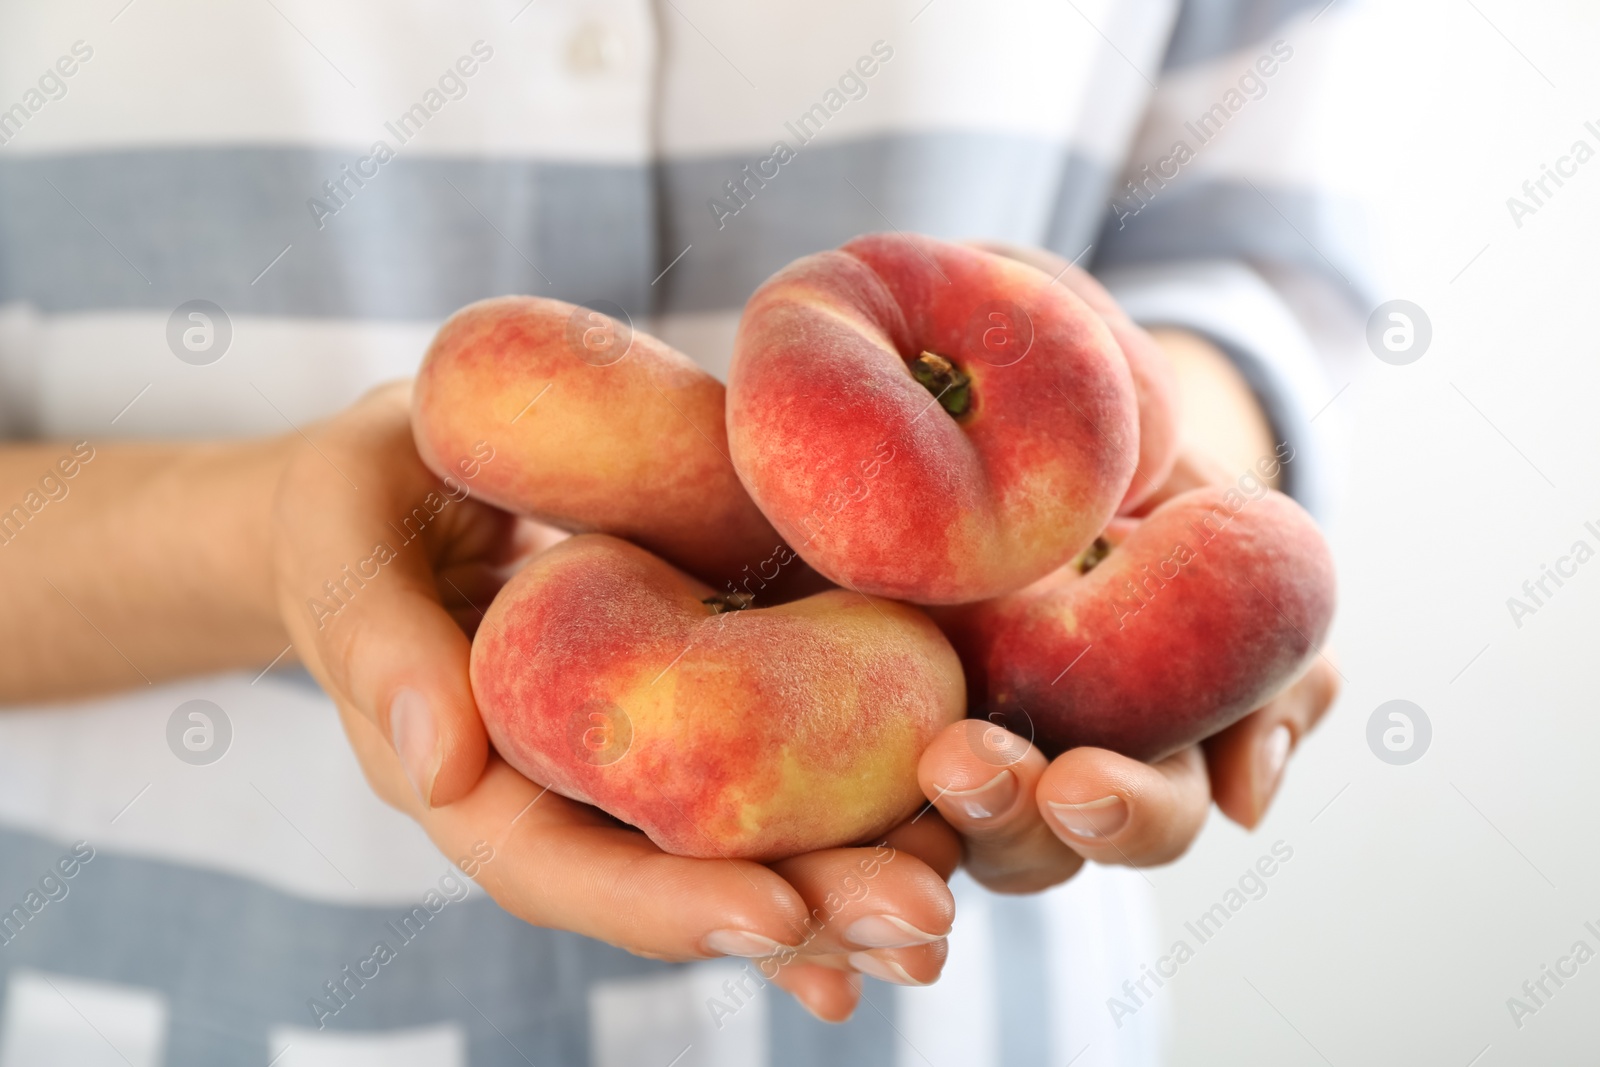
{"points": [[219, 228]]}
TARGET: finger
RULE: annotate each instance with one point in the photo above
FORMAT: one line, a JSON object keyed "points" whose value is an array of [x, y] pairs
{"points": [[1247, 760], [930, 839], [829, 993], [916, 965], [1112, 809], [983, 779], [559, 864], [508, 831], [356, 581], [867, 898]]}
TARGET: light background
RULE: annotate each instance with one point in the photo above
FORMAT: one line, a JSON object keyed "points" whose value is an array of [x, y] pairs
{"points": [[1423, 897]]}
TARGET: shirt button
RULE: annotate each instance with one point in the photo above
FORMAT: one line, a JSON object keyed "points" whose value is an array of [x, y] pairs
{"points": [[592, 50]]}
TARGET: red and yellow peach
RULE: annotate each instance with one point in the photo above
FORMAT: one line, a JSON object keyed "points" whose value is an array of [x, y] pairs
{"points": [[620, 681], [1169, 630], [1153, 376], [927, 421], [594, 427]]}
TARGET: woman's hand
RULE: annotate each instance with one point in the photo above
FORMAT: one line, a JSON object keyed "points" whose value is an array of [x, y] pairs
{"points": [[381, 570], [1028, 823]]}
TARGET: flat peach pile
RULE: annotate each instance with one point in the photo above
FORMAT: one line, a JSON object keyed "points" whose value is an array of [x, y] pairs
{"points": [[726, 656]]}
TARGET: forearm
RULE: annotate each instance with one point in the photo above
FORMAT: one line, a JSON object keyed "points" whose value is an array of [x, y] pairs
{"points": [[151, 562]]}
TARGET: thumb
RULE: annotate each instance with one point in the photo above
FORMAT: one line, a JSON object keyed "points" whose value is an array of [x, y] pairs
{"points": [[359, 521], [405, 666]]}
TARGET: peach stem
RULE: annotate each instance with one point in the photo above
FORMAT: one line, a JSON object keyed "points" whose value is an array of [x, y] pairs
{"points": [[946, 381], [723, 602], [1093, 555]]}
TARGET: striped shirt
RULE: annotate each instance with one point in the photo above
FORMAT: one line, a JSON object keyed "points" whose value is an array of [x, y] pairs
{"points": [[229, 219]]}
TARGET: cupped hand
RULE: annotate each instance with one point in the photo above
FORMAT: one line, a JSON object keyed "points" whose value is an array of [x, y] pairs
{"points": [[1028, 823], [381, 571]]}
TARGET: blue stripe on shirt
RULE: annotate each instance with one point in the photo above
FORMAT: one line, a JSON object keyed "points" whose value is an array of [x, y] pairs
{"points": [[265, 954]]}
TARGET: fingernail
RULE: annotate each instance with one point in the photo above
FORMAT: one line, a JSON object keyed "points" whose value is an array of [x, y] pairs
{"points": [[882, 970], [886, 931], [987, 800], [1097, 818], [741, 943], [1270, 762], [416, 739]]}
